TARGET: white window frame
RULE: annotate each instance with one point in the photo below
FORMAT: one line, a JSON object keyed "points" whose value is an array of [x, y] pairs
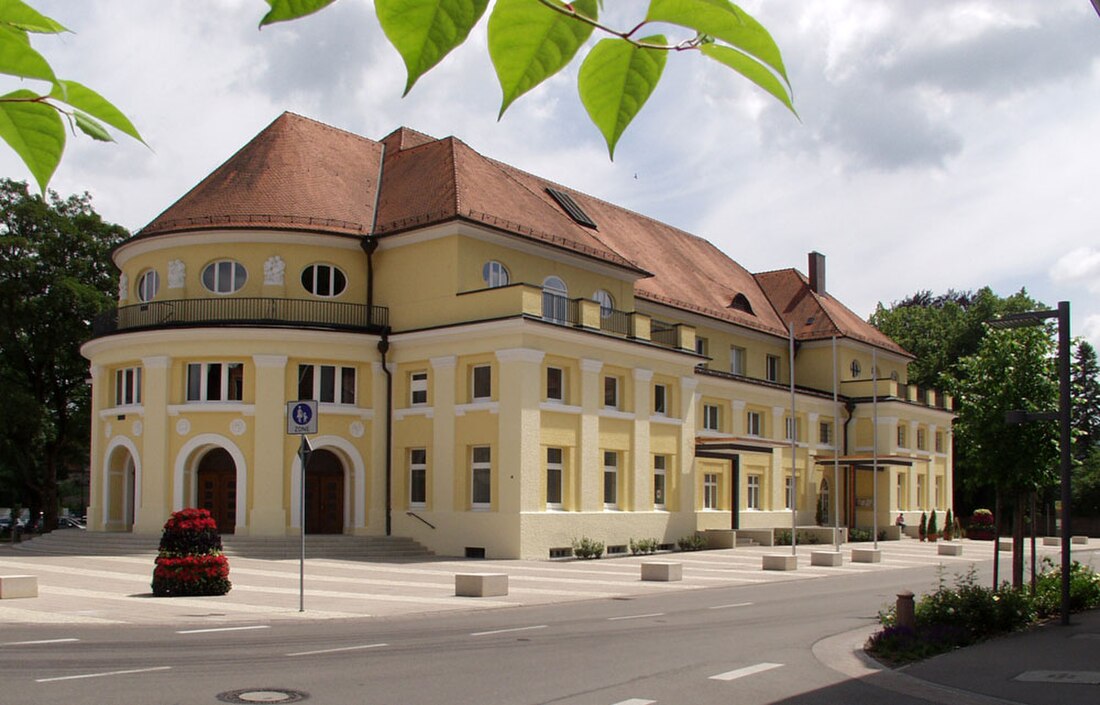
{"points": [[236, 271], [940, 441], [203, 369], [148, 285], [418, 465], [555, 467], [754, 423], [737, 360], [660, 481], [418, 385], [661, 400], [771, 368], [555, 299], [791, 425], [903, 436], [702, 345], [128, 386], [560, 373], [752, 491], [611, 472], [788, 492], [825, 433], [712, 417], [710, 491], [614, 389], [922, 439], [313, 274], [321, 391], [475, 372], [606, 301], [494, 274], [481, 468]]}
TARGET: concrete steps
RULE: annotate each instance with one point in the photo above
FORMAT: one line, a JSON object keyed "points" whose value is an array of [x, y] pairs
{"points": [[341, 547]]}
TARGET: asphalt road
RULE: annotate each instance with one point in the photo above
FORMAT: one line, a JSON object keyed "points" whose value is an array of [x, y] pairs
{"points": [[745, 645]]}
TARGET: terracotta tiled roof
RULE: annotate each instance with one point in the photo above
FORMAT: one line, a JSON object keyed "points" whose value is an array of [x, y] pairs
{"points": [[297, 174], [819, 316]]}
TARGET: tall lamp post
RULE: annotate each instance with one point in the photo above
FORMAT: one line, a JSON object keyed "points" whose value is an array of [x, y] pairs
{"points": [[1036, 318]]}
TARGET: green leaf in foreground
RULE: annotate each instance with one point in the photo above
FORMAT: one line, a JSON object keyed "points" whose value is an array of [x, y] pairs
{"points": [[19, 14], [92, 127], [35, 131], [17, 58], [283, 10], [425, 31], [529, 42], [85, 99], [722, 20], [615, 81], [751, 70]]}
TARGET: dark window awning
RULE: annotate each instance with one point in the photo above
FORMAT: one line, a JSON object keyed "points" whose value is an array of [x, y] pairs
{"points": [[866, 462], [729, 448]]}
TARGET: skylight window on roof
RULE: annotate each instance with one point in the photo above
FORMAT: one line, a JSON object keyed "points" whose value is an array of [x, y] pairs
{"points": [[741, 303], [571, 207]]}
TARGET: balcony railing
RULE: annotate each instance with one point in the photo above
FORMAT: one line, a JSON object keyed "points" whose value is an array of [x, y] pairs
{"points": [[663, 333], [242, 311]]}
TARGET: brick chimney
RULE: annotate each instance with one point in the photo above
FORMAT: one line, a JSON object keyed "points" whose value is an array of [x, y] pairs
{"points": [[817, 272]]}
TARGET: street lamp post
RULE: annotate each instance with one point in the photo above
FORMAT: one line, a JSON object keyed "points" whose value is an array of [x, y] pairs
{"points": [[1036, 318]]}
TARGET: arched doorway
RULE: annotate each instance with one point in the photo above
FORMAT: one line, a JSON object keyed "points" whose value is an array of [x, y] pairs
{"points": [[324, 493], [217, 488], [120, 488]]}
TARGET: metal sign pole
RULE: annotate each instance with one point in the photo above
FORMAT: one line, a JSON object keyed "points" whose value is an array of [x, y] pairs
{"points": [[301, 419]]}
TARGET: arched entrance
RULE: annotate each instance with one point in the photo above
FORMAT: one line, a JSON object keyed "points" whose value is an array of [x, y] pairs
{"points": [[324, 493], [217, 488], [120, 489]]}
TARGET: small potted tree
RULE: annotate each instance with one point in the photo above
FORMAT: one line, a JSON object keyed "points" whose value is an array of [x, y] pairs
{"points": [[933, 527], [922, 529], [948, 526], [190, 560], [981, 526]]}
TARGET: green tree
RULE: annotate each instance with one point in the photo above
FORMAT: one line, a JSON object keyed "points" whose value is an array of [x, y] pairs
{"points": [[1012, 369], [55, 276], [1086, 485], [1085, 384]]}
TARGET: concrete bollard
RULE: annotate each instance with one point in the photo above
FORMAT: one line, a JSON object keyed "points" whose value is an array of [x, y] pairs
{"points": [[906, 612], [481, 584], [13, 586], [662, 571]]}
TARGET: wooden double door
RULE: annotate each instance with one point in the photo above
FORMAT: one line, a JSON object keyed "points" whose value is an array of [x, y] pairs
{"points": [[217, 485], [324, 494]]}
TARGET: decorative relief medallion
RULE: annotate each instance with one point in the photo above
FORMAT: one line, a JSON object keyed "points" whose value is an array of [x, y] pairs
{"points": [[274, 270], [183, 427], [177, 273], [138, 428], [356, 429], [237, 427], [123, 287]]}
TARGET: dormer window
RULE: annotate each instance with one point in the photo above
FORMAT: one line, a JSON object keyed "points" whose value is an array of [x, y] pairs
{"points": [[571, 207], [324, 280], [494, 274], [741, 303], [148, 285], [224, 277]]}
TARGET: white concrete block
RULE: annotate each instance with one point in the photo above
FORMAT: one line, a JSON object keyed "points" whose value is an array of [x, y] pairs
{"points": [[1052, 541], [1083, 540], [780, 561], [481, 584], [867, 555], [662, 571], [950, 549], [831, 559], [13, 586]]}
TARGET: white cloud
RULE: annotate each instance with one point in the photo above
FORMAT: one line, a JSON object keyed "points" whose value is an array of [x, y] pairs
{"points": [[1079, 265]]}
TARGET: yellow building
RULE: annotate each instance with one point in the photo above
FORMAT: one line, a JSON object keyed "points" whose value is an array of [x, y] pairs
{"points": [[502, 364]]}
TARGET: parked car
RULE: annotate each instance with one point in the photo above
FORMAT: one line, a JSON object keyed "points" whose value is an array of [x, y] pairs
{"points": [[70, 523]]}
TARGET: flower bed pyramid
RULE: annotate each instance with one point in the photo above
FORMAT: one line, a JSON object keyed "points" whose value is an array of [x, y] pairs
{"points": [[190, 560]]}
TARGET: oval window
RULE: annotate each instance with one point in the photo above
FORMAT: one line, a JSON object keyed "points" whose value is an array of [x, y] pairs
{"points": [[495, 274], [148, 285], [856, 368], [324, 280], [224, 276]]}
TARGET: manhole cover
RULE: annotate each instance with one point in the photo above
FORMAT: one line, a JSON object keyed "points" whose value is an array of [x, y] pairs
{"points": [[263, 695]]}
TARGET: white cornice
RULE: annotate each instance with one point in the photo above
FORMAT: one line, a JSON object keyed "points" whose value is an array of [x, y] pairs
{"points": [[520, 355], [181, 241], [272, 338]]}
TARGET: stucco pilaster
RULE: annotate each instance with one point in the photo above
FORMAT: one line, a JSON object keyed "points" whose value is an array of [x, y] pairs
{"points": [[271, 464], [588, 471], [153, 488], [442, 456], [519, 478]]}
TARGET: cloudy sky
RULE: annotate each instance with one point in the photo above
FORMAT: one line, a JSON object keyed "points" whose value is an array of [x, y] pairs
{"points": [[942, 143]]}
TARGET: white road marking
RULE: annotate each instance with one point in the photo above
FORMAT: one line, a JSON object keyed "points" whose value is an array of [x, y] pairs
{"points": [[636, 616], [636, 701], [726, 607], [336, 650], [41, 641], [747, 671], [222, 629], [106, 673], [505, 631]]}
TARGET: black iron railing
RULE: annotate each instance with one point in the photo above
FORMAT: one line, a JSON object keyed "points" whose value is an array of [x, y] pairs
{"points": [[241, 311]]}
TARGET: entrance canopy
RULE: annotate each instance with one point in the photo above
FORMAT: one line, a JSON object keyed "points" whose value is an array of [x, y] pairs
{"points": [[866, 462], [729, 448]]}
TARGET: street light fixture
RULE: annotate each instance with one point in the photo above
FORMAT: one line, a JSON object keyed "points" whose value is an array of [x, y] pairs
{"points": [[1037, 318]]}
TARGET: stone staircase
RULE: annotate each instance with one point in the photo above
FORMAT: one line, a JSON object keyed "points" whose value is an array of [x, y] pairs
{"points": [[72, 542]]}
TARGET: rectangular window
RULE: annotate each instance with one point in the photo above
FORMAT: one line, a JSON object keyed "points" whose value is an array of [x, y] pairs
{"points": [[711, 417], [901, 437], [791, 427], [701, 346], [825, 433], [660, 399], [553, 478], [659, 464], [128, 386], [418, 477], [555, 384], [737, 360], [319, 382], [215, 381], [752, 497], [611, 392], [772, 368], [788, 492], [753, 424], [481, 383], [481, 491], [710, 490], [610, 479], [418, 388], [939, 442], [922, 442]]}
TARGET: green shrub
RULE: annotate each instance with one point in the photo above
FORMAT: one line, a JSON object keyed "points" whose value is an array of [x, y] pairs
{"points": [[922, 530], [1084, 589], [691, 542], [782, 537], [933, 527], [644, 546], [587, 548], [948, 526]]}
